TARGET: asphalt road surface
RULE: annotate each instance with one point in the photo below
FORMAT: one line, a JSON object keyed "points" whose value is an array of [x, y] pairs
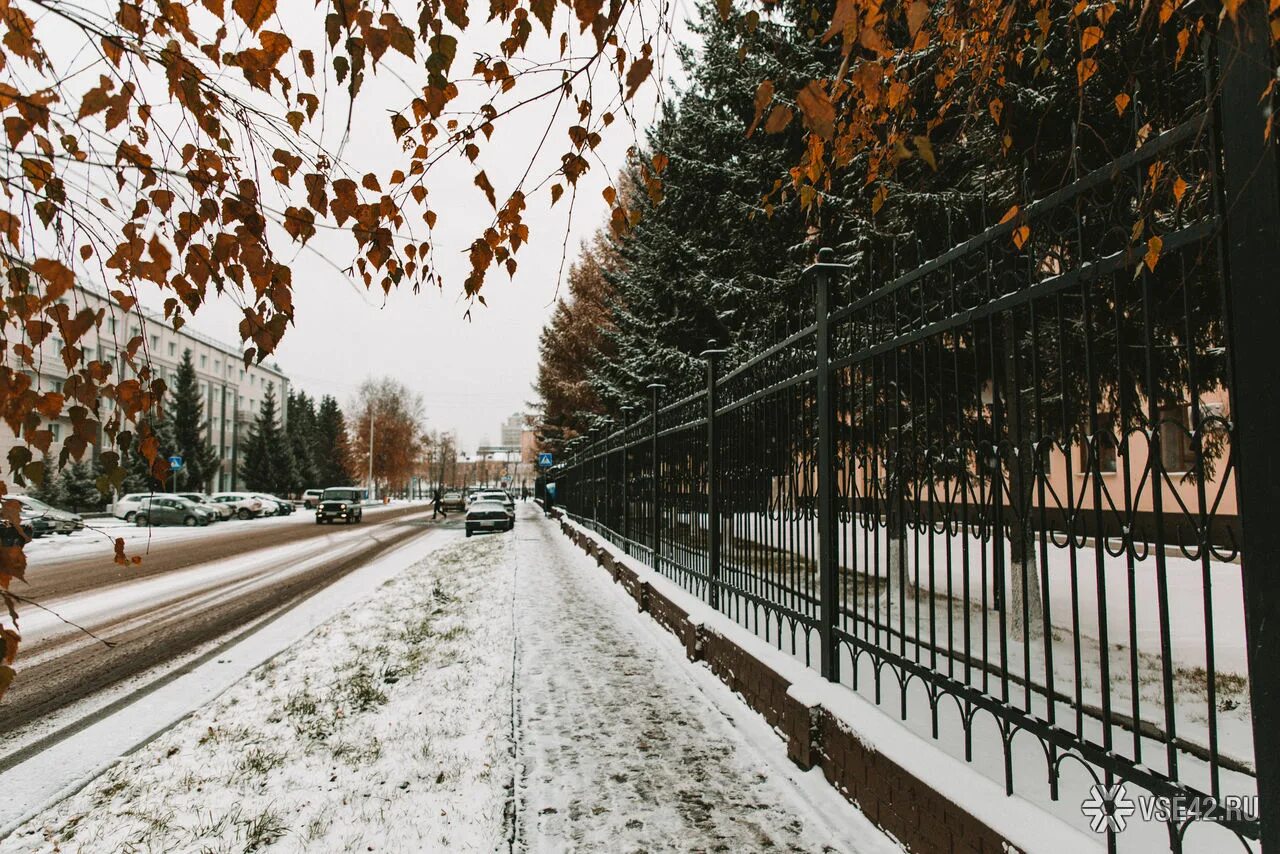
{"points": [[91, 623]]}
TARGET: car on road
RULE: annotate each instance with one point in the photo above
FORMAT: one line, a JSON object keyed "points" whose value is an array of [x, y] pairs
{"points": [[311, 498], [500, 496], [244, 504], [64, 522], [489, 516], [340, 503], [453, 501], [222, 510], [171, 510]]}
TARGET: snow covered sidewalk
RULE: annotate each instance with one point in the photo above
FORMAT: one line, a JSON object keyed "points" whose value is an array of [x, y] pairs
{"points": [[499, 695], [626, 746]]}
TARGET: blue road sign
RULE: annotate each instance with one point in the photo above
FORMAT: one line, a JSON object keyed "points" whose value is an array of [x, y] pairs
{"points": [[544, 461], [175, 463]]}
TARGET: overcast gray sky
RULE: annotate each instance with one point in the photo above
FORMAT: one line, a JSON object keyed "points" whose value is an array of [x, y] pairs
{"points": [[471, 374]]}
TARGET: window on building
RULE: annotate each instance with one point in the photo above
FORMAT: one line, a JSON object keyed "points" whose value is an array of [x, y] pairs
{"points": [[155, 342], [56, 430], [173, 349], [1106, 445], [217, 364], [1176, 451], [204, 361]]}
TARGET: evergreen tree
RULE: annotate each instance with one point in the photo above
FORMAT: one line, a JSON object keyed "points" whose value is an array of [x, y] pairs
{"points": [[331, 452], [265, 465], [78, 486], [301, 413], [200, 459], [49, 489], [708, 259], [142, 476]]}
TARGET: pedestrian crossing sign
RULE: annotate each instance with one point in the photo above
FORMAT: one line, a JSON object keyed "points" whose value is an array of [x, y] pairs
{"points": [[544, 461]]}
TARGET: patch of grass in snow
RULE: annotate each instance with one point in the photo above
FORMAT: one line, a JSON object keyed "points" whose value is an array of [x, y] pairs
{"points": [[259, 762], [156, 824], [1230, 689], [417, 632], [355, 754], [263, 829], [360, 691], [226, 734], [310, 720], [317, 828], [114, 784], [207, 826]]}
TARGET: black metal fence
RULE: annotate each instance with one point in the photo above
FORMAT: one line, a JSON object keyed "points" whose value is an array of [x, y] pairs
{"points": [[1001, 493]]}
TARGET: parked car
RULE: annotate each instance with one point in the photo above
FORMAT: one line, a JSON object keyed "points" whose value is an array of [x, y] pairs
{"points": [[222, 510], [171, 510], [41, 525], [340, 502], [127, 505], [489, 516], [311, 498], [24, 531], [246, 506], [499, 496], [282, 506], [64, 522], [453, 501]]}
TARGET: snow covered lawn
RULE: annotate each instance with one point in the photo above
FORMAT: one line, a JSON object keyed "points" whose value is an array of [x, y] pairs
{"points": [[388, 728], [500, 695]]}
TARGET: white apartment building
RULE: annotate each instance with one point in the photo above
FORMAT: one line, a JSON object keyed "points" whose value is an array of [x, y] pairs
{"points": [[232, 393]]}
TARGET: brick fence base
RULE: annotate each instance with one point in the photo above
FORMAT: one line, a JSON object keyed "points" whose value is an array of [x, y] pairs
{"points": [[904, 806]]}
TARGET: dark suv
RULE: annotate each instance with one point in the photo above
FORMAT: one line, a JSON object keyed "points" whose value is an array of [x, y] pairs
{"points": [[342, 503]]}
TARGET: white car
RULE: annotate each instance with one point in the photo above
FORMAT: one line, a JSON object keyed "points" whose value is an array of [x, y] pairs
{"points": [[245, 504], [224, 511], [499, 496], [279, 507], [126, 506]]}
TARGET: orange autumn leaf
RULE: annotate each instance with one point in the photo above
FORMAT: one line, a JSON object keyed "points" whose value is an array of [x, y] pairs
{"points": [[1152, 257]]}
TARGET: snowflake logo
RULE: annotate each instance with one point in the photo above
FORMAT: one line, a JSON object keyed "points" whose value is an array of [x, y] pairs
{"points": [[1108, 809]]}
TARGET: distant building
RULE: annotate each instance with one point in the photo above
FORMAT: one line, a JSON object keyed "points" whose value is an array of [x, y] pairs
{"points": [[512, 429], [232, 393]]}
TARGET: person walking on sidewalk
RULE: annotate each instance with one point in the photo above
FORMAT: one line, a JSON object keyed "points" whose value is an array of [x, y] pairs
{"points": [[437, 506]]}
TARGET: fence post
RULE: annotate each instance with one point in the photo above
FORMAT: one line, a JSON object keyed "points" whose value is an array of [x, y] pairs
{"points": [[828, 572], [1252, 188], [626, 507], [712, 355], [655, 390]]}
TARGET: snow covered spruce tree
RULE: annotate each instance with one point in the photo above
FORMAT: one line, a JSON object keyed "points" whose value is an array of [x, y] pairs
{"points": [[200, 461], [267, 463], [708, 258], [78, 485], [146, 458]]}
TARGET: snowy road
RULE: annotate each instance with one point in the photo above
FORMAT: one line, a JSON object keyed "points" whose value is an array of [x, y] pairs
{"points": [[498, 695], [192, 586]]}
